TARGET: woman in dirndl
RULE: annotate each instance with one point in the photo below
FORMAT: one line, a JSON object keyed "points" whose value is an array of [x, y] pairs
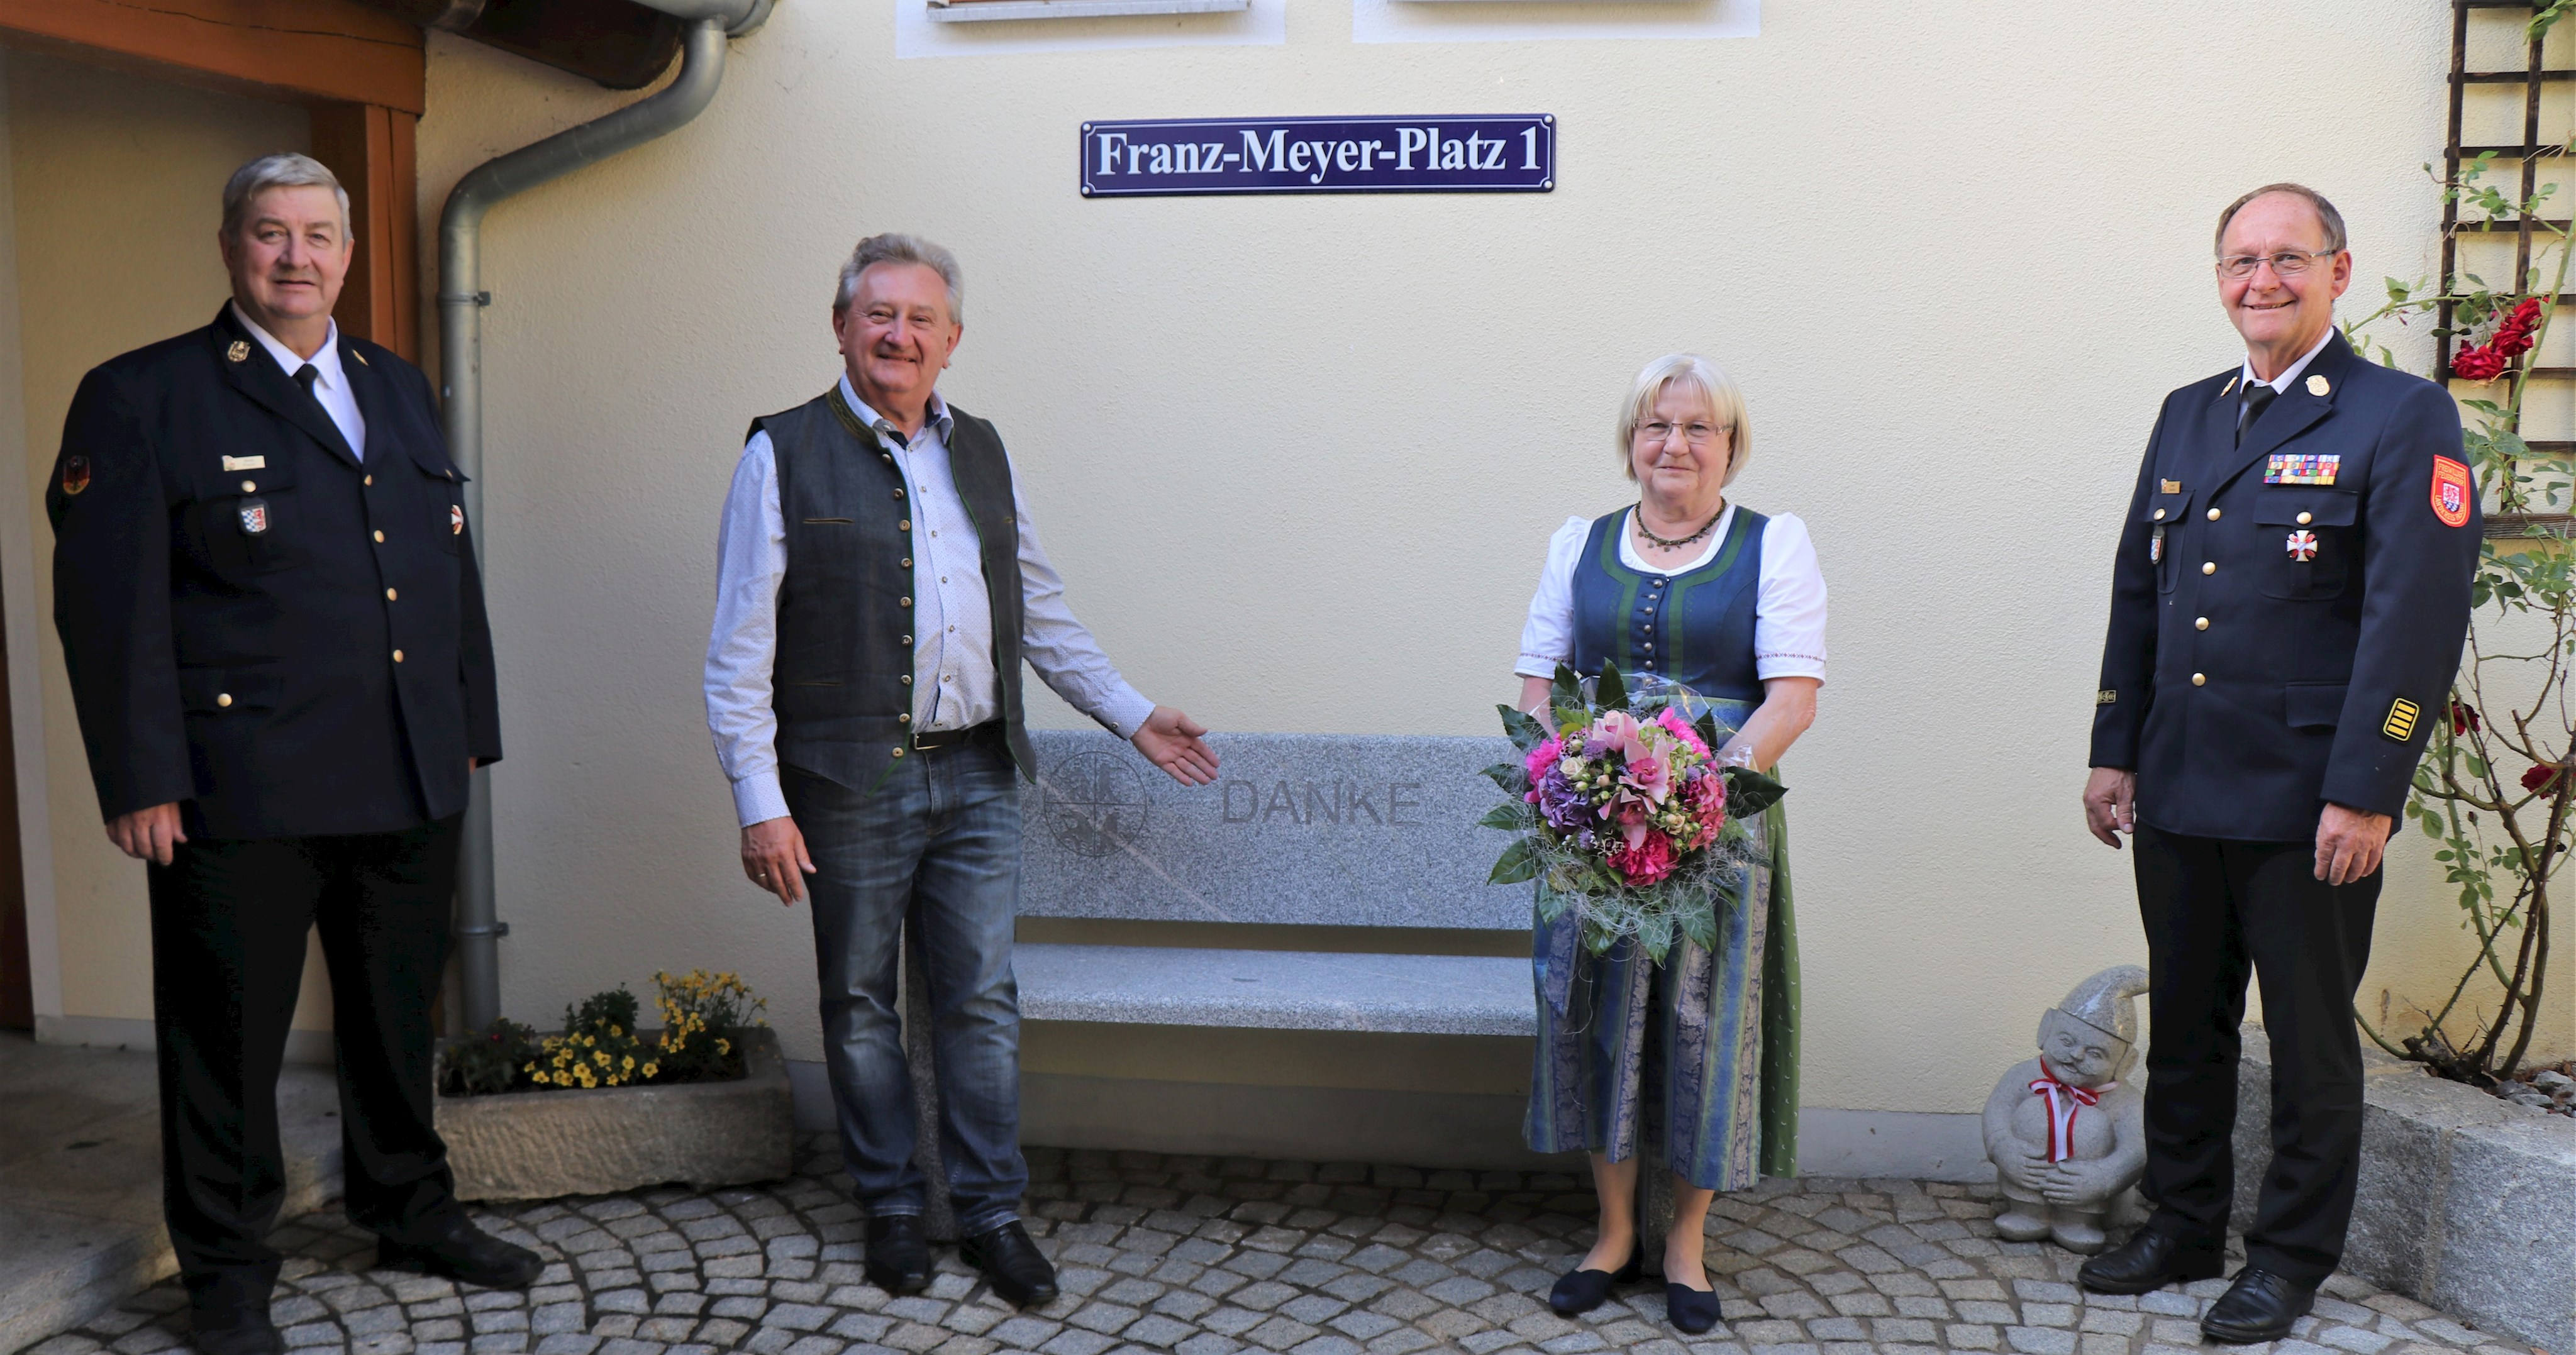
{"points": [[1692, 1061]]}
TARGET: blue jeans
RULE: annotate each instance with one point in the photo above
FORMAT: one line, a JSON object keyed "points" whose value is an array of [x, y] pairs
{"points": [[941, 836]]}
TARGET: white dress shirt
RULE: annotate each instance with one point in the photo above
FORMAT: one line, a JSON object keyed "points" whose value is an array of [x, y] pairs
{"points": [[954, 683], [1788, 611], [331, 386], [2281, 384]]}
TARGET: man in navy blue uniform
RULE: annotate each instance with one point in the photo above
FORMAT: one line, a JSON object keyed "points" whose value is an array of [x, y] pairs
{"points": [[275, 633], [2287, 610]]}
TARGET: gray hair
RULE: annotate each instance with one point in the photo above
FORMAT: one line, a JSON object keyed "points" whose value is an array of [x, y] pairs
{"points": [[896, 248], [283, 170], [2327, 216], [1694, 373]]}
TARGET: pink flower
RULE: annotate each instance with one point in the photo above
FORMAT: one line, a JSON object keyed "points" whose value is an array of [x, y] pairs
{"points": [[1650, 775], [1644, 860], [1615, 732], [1671, 719], [1543, 757]]}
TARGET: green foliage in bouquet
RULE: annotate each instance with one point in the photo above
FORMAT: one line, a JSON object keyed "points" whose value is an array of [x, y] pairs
{"points": [[1645, 759]]}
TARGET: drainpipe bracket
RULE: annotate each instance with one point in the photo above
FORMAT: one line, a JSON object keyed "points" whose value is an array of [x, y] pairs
{"points": [[453, 298], [496, 929], [752, 21]]}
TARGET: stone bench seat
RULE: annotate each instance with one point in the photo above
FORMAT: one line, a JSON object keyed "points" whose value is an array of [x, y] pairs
{"points": [[1276, 989]]}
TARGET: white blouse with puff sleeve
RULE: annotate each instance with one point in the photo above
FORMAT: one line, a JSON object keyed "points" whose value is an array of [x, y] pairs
{"points": [[1788, 613]]}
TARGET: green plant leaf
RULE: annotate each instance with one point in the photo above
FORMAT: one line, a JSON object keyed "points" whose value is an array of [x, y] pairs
{"points": [[1749, 792], [1518, 862], [1609, 692], [1565, 690], [1524, 731], [1513, 777], [1511, 816]]}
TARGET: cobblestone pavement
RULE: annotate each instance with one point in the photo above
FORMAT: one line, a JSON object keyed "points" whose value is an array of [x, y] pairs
{"points": [[1204, 1256]]}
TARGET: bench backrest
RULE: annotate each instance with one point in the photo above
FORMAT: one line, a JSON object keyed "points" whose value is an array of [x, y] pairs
{"points": [[1313, 829]]}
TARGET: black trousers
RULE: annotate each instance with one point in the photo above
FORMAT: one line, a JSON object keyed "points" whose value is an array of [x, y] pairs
{"points": [[2215, 910], [229, 919]]}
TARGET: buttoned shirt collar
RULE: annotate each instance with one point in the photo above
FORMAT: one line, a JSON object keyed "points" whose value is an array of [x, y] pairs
{"points": [[326, 362], [2281, 384], [936, 415]]}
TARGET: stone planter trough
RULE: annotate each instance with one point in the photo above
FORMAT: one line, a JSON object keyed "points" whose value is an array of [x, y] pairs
{"points": [[2467, 1201], [539, 1145]]}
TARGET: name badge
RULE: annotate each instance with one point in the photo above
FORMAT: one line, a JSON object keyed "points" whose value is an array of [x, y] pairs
{"points": [[245, 463], [2301, 470]]}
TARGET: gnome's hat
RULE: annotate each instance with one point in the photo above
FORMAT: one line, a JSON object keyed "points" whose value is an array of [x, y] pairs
{"points": [[2102, 1002]]}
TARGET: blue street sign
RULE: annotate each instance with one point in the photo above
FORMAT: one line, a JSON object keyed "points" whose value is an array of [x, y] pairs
{"points": [[1506, 153]]}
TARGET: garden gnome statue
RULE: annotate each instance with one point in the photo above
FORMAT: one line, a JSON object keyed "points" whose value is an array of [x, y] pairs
{"points": [[2065, 1136]]}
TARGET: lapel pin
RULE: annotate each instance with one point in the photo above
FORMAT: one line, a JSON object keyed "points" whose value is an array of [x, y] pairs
{"points": [[2231, 383], [361, 357], [75, 474], [240, 351], [2318, 385]]}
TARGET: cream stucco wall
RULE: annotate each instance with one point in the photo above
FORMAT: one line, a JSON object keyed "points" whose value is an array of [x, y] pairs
{"points": [[118, 181], [1298, 457]]}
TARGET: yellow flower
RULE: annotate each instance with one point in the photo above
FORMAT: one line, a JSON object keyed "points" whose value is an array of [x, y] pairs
{"points": [[724, 1046], [629, 1065], [652, 1070], [602, 1057], [543, 1078]]}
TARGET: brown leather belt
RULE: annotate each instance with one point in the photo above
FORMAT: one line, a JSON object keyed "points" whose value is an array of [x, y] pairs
{"points": [[988, 732]]}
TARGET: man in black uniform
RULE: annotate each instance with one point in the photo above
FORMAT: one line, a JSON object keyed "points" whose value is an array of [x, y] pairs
{"points": [[2287, 611], [275, 633]]}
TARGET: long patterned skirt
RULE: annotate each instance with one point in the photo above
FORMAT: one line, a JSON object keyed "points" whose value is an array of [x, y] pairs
{"points": [[1696, 1057]]}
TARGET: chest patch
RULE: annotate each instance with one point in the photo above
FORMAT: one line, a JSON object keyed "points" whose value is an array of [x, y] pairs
{"points": [[2451, 490], [254, 517], [2284, 469]]}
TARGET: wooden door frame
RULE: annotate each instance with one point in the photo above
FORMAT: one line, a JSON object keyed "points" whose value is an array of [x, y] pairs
{"points": [[360, 72]]}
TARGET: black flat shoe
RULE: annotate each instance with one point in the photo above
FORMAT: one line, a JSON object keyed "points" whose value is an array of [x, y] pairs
{"points": [[1692, 1310], [2260, 1306], [1581, 1291], [461, 1252], [1011, 1261], [898, 1260], [233, 1330], [2149, 1261]]}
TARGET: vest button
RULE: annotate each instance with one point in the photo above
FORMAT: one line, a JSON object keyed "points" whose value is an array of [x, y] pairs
{"points": [[903, 719], [907, 679], [904, 526], [898, 493], [906, 640], [898, 752], [907, 602], [907, 562]]}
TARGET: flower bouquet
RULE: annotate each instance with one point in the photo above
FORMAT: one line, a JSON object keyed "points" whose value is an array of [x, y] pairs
{"points": [[1624, 812]]}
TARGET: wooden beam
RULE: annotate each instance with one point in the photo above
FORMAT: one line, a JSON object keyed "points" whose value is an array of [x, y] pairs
{"points": [[305, 50], [371, 148]]}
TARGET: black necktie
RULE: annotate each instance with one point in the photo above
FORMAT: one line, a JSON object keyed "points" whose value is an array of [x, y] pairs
{"points": [[2251, 405]]}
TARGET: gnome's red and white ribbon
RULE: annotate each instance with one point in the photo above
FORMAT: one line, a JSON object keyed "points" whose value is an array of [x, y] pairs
{"points": [[2063, 1101]]}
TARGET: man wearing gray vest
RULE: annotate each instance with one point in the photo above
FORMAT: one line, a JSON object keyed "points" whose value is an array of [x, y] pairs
{"points": [[879, 584]]}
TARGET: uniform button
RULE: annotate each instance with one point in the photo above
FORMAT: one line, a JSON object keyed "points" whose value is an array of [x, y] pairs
{"points": [[2199, 680], [2201, 624], [2213, 515], [368, 480], [2209, 566], [223, 698], [380, 538], [397, 656], [389, 595], [250, 487], [2160, 515], [2303, 519]]}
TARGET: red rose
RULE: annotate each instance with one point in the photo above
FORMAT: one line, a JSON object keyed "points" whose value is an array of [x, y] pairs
{"points": [[2540, 778], [2464, 717], [2477, 364]]}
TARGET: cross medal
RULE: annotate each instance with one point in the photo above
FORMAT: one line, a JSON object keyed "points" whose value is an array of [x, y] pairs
{"points": [[2303, 546]]}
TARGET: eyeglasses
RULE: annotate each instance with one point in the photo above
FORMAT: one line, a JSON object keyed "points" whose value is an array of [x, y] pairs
{"points": [[2286, 264], [1696, 434]]}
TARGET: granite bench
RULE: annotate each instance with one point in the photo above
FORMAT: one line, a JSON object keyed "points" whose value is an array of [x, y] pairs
{"points": [[1300, 830]]}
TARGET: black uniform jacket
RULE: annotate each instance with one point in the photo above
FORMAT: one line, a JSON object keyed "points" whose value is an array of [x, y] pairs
{"points": [[258, 623], [2274, 646]]}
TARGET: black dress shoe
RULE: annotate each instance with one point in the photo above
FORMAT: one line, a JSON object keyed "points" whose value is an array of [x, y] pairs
{"points": [[2149, 1261], [234, 1331], [1012, 1262], [1692, 1310], [2260, 1306], [459, 1251], [898, 1257], [1581, 1291]]}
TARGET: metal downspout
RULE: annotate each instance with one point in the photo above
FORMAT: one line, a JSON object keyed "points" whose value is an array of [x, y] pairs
{"points": [[461, 299]]}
